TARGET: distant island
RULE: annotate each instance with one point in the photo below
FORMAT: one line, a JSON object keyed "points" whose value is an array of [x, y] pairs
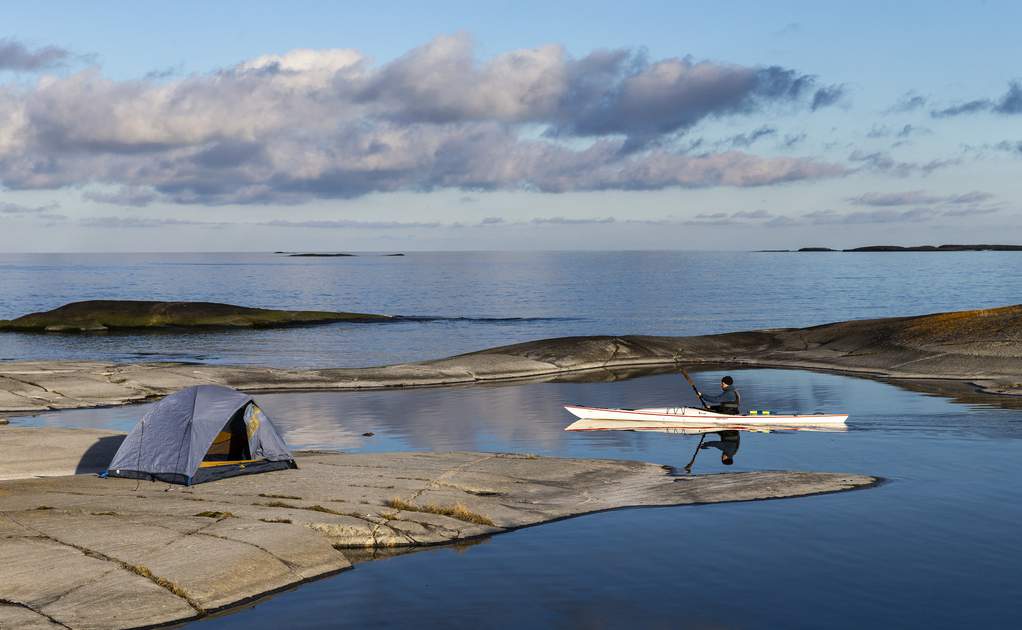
{"points": [[914, 248], [105, 315], [317, 255], [328, 255]]}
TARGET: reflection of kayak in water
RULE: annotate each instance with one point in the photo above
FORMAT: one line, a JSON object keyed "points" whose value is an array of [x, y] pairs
{"points": [[693, 420]]}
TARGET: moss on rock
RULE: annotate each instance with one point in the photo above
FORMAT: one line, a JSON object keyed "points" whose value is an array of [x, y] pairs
{"points": [[104, 315]]}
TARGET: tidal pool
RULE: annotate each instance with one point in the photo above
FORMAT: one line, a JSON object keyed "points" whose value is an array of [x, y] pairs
{"points": [[936, 545]]}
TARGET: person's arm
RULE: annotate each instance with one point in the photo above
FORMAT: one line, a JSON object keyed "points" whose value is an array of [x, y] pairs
{"points": [[713, 398], [714, 444]]}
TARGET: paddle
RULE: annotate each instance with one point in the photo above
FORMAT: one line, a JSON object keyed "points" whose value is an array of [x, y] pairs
{"points": [[691, 462], [688, 467], [694, 388]]}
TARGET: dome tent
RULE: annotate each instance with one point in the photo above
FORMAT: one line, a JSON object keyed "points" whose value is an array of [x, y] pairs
{"points": [[200, 434]]}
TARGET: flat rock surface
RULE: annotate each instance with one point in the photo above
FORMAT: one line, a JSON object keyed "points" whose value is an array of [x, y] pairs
{"points": [[85, 552], [30, 452], [983, 347]]}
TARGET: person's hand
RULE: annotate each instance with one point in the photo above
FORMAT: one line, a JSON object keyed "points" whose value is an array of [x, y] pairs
{"points": [[704, 446]]}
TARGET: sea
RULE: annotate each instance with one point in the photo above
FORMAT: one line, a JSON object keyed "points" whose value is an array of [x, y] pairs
{"points": [[936, 544]]}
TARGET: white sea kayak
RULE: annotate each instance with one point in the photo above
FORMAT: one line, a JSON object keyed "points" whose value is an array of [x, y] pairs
{"points": [[691, 420]]}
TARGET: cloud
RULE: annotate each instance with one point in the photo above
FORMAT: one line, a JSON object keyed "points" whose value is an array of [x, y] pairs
{"points": [[970, 107], [163, 73], [18, 57], [905, 131], [608, 92], [320, 124], [143, 222], [741, 217], [1009, 103], [918, 197], [881, 161], [888, 208], [793, 139], [747, 139], [832, 217], [1011, 146], [565, 221], [334, 224], [909, 102], [124, 196], [19, 209], [789, 29], [914, 215], [827, 96]]}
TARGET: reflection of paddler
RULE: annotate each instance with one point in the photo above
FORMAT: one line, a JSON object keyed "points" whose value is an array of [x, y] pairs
{"points": [[728, 444]]}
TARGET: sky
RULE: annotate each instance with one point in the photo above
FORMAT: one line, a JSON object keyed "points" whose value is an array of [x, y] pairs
{"points": [[390, 126]]}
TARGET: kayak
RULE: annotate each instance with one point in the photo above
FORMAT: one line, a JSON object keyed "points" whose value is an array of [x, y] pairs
{"points": [[692, 420]]}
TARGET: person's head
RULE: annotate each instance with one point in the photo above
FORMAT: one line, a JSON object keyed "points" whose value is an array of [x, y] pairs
{"points": [[726, 382], [726, 459]]}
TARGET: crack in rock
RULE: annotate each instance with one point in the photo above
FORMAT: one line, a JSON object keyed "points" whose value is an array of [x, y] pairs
{"points": [[9, 602]]}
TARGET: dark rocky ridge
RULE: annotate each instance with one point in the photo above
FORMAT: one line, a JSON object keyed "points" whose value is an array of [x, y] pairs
{"points": [[918, 248], [104, 315]]}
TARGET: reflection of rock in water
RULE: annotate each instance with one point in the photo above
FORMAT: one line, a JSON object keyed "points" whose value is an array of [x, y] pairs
{"points": [[360, 556], [963, 392]]}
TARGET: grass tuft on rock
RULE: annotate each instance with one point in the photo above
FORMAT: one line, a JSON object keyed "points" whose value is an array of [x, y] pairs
{"points": [[215, 514], [457, 511], [310, 508], [162, 582], [320, 508], [285, 521], [280, 504], [279, 496]]}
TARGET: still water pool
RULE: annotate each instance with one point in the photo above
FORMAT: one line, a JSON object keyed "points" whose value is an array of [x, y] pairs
{"points": [[938, 544]]}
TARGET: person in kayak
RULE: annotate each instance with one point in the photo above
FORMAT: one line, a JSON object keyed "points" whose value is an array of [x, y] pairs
{"points": [[727, 401], [728, 444]]}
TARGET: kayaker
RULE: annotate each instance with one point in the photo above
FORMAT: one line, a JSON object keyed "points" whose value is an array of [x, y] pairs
{"points": [[728, 444], [727, 401]]}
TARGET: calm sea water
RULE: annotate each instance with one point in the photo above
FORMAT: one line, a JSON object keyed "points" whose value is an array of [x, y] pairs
{"points": [[488, 299], [936, 545]]}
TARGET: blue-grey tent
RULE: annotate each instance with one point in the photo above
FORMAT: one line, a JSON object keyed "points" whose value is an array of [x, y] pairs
{"points": [[201, 434]]}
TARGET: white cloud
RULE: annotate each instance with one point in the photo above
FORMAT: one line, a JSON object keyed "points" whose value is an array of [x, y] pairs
{"points": [[329, 123]]}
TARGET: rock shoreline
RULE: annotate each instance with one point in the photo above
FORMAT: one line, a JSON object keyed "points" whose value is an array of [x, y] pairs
{"points": [[73, 550], [982, 347]]}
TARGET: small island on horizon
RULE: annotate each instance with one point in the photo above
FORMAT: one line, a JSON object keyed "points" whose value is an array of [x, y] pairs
{"points": [[913, 248], [328, 254]]}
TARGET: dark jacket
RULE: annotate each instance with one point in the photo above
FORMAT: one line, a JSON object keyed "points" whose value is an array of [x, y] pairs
{"points": [[725, 402], [728, 443]]}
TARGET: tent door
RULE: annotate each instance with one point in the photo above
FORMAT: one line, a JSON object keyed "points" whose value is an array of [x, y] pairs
{"points": [[231, 444]]}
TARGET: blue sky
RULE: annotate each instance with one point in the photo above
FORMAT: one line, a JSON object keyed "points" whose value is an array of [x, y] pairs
{"points": [[264, 126]]}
